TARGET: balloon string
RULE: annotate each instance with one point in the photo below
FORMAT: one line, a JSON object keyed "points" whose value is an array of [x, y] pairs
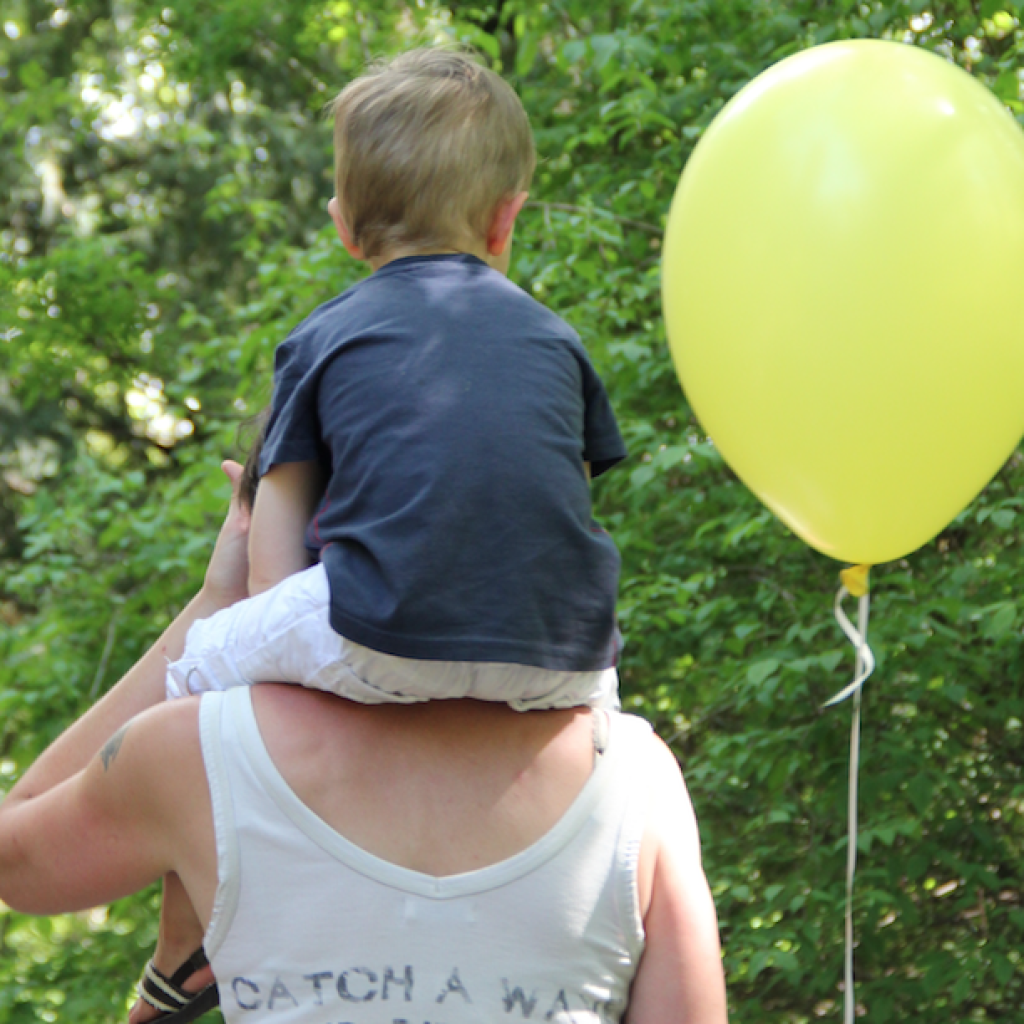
{"points": [[864, 667], [857, 637]]}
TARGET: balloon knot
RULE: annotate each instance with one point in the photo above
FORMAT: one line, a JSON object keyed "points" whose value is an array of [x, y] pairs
{"points": [[855, 579]]}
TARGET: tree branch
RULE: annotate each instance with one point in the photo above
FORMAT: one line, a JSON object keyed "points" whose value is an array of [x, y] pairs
{"points": [[639, 225], [108, 647]]}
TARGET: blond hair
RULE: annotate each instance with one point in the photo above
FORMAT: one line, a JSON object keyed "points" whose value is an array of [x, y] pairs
{"points": [[425, 147]]}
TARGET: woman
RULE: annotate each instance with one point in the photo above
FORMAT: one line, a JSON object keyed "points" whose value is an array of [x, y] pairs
{"points": [[448, 861]]}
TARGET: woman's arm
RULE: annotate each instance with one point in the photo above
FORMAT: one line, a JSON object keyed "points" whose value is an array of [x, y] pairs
{"points": [[73, 830], [680, 978], [114, 827], [143, 685]]}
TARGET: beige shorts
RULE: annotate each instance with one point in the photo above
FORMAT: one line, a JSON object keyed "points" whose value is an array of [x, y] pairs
{"points": [[284, 636]]}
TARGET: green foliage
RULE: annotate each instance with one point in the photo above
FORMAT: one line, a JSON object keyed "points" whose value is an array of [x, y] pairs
{"points": [[153, 250]]}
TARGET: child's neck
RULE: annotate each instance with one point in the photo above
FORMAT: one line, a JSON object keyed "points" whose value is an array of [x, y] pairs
{"points": [[400, 252]]}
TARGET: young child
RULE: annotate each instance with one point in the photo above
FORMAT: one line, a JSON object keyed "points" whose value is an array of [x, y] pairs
{"points": [[431, 436], [430, 441]]}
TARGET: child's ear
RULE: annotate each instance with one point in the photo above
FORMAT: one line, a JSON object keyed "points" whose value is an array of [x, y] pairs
{"points": [[503, 220], [334, 209]]}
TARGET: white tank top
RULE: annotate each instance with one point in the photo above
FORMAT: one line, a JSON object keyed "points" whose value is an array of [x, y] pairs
{"points": [[308, 928]]}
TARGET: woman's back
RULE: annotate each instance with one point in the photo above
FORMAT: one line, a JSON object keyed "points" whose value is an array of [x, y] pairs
{"points": [[457, 864], [465, 783]]}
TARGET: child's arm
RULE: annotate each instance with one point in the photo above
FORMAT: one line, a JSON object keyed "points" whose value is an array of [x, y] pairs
{"points": [[286, 499]]}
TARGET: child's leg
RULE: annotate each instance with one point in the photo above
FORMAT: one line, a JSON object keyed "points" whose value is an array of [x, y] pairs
{"points": [[373, 677], [282, 635], [531, 689]]}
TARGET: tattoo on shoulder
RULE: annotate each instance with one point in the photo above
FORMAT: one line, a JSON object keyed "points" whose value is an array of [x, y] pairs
{"points": [[113, 745]]}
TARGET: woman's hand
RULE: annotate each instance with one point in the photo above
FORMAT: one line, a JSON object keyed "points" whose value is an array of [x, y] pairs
{"points": [[227, 575]]}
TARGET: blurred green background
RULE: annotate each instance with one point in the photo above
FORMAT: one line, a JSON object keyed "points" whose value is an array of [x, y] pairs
{"points": [[164, 174]]}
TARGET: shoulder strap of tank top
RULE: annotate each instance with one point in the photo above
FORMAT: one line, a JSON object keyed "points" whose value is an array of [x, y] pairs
{"points": [[211, 727], [631, 740], [600, 724]]}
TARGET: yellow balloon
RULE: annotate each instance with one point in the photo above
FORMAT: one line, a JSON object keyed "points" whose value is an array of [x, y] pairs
{"points": [[843, 285]]}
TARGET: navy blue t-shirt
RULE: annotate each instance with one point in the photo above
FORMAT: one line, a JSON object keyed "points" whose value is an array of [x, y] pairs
{"points": [[455, 414]]}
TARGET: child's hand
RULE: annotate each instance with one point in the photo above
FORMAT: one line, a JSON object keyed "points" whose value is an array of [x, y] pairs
{"points": [[228, 572]]}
